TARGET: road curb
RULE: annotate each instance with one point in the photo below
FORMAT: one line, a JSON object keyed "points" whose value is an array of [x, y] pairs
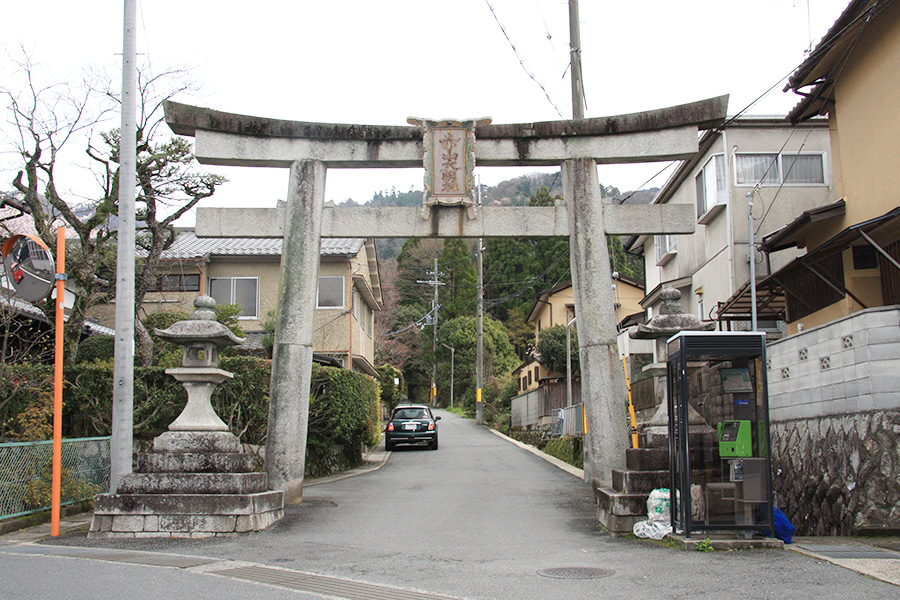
{"points": [[579, 473], [373, 461]]}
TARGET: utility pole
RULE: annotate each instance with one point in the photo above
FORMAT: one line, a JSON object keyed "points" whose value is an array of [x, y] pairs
{"points": [[123, 361], [752, 261], [434, 282], [575, 60], [479, 327], [452, 360]]}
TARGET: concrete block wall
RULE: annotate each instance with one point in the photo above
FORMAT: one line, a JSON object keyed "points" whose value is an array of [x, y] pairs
{"points": [[834, 399], [525, 410], [848, 366]]}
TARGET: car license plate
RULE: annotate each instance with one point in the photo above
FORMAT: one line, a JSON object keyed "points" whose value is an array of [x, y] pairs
{"points": [[409, 426]]}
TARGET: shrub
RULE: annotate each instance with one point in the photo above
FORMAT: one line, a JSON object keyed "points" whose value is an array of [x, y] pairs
{"points": [[21, 386], [567, 449], [243, 402], [98, 347], [38, 490], [341, 408], [345, 410], [390, 392], [161, 348], [552, 348]]}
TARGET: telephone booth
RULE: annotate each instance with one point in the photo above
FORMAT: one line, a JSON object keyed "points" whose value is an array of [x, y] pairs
{"points": [[719, 454]]}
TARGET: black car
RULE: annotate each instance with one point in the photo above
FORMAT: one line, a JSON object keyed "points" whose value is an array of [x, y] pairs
{"points": [[411, 424]]}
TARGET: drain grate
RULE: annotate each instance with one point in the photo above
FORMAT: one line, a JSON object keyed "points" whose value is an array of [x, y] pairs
{"points": [[326, 586], [155, 560], [576, 573], [851, 551]]}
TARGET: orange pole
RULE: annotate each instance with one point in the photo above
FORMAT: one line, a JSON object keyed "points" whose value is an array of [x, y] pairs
{"points": [[56, 485], [631, 415]]}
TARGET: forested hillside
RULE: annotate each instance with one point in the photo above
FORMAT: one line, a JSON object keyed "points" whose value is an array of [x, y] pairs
{"points": [[516, 270]]}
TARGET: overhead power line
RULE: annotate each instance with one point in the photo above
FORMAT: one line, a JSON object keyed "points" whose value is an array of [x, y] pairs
{"points": [[522, 60]]}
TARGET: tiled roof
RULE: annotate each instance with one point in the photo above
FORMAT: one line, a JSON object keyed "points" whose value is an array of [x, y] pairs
{"points": [[17, 305], [187, 245], [341, 246]]}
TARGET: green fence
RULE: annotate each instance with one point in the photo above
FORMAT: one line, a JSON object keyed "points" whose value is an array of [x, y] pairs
{"points": [[26, 469]]}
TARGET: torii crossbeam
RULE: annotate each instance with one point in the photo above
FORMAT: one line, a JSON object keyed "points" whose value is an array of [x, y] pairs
{"points": [[576, 146]]}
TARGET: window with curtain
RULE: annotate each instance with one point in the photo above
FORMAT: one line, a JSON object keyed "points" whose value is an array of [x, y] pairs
{"points": [[175, 283], [778, 169], [243, 291], [803, 168], [750, 169], [331, 291]]}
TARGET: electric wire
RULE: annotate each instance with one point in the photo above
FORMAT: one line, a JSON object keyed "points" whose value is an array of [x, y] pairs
{"points": [[640, 188], [783, 178], [821, 50], [522, 60]]}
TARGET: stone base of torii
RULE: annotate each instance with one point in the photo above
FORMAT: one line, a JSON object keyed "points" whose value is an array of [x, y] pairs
{"points": [[308, 150]]}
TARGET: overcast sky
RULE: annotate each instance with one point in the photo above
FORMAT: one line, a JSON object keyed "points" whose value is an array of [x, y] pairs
{"points": [[362, 61]]}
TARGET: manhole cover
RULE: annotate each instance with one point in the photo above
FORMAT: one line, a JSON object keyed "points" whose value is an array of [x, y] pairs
{"points": [[576, 573]]}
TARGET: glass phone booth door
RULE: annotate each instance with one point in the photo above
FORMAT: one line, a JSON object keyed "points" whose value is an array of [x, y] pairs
{"points": [[719, 451]]}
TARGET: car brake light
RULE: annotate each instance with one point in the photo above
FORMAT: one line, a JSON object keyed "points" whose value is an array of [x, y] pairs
{"points": [[431, 426], [390, 426]]}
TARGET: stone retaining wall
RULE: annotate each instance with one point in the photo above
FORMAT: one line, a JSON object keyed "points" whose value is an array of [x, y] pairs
{"points": [[838, 474]]}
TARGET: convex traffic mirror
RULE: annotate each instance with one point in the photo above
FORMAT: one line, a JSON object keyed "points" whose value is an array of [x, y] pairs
{"points": [[29, 266]]}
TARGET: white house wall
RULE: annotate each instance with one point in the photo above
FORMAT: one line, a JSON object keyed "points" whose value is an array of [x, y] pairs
{"points": [[704, 256]]}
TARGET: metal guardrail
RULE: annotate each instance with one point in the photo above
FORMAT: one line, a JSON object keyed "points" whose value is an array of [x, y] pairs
{"points": [[25, 473]]}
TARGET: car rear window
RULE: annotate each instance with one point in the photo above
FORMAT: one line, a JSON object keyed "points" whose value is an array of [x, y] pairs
{"points": [[411, 413]]}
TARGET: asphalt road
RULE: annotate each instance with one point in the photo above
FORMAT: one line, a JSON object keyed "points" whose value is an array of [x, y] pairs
{"points": [[478, 518]]}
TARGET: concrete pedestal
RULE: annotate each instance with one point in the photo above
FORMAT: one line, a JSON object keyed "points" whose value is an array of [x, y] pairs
{"points": [[193, 484]]}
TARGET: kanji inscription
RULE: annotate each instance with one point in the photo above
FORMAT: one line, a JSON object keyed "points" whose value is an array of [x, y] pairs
{"points": [[449, 163]]}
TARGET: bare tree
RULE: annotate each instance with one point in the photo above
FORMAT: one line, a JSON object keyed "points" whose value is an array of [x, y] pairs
{"points": [[44, 119], [168, 183], [47, 117]]}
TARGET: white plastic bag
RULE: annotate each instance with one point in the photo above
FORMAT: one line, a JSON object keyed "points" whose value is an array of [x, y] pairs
{"points": [[655, 530], [657, 525], [658, 505]]}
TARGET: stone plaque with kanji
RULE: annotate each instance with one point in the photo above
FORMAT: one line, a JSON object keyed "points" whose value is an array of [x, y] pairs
{"points": [[449, 163]]}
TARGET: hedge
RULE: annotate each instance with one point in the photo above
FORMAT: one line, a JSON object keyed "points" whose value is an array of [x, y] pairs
{"points": [[344, 406]]}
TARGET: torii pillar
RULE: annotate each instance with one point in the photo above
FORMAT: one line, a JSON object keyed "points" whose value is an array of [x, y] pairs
{"points": [[309, 149]]}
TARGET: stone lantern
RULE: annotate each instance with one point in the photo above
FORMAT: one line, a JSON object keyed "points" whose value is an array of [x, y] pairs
{"points": [[647, 467], [197, 481], [201, 336]]}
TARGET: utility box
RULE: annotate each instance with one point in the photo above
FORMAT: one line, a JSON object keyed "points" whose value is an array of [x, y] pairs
{"points": [[719, 465]]}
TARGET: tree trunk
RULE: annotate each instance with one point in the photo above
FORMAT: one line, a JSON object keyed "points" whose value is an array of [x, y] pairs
{"points": [[143, 346]]}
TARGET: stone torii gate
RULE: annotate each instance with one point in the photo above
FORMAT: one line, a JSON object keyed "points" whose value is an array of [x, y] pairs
{"points": [[308, 150]]}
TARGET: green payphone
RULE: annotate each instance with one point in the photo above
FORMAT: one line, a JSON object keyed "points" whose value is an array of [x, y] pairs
{"points": [[735, 439], [736, 434]]}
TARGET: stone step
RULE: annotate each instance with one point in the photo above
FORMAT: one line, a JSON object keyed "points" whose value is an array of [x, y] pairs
{"points": [[197, 441], [657, 459], [647, 459], [193, 483], [193, 526], [658, 437], [618, 525], [620, 504], [196, 462], [639, 482], [188, 504]]}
